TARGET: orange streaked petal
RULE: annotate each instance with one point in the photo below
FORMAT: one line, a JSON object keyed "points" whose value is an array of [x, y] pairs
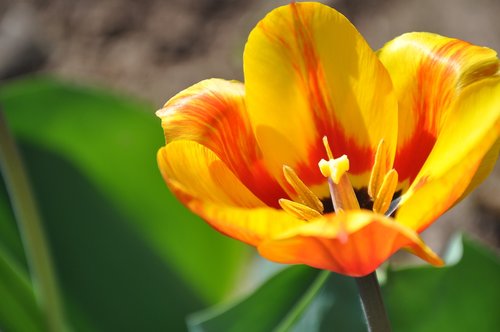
{"points": [[194, 172], [428, 72], [467, 144], [309, 74], [371, 239], [213, 113]]}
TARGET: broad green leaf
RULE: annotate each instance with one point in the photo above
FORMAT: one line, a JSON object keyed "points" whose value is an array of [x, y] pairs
{"points": [[336, 308], [106, 269], [123, 246], [298, 298], [462, 297], [264, 309]]}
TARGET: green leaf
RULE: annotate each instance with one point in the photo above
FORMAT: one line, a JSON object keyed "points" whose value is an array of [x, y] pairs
{"points": [[298, 298], [122, 244], [107, 269], [461, 297], [264, 309]]}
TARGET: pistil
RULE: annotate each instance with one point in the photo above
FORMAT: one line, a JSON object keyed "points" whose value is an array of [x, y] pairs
{"points": [[341, 191]]}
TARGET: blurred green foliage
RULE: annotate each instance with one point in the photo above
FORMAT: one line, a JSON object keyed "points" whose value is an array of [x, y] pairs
{"points": [[461, 297], [129, 257]]}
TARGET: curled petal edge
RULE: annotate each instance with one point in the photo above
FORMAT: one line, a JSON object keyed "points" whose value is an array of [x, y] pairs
{"points": [[353, 243]]}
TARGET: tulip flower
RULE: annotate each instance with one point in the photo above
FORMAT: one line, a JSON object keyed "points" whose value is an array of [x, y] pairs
{"points": [[330, 154]]}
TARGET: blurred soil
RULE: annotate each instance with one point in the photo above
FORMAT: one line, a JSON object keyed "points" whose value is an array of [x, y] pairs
{"points": [[154, 48]]}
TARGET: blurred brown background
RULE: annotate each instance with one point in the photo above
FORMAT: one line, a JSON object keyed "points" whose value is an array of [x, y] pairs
{"points": [[153, 48]]}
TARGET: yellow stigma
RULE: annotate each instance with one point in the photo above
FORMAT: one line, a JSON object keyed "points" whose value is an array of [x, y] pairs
{"points": [[334, 168]]}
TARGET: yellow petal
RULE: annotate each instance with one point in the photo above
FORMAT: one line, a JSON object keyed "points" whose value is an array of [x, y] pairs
{"points": [[371, 239], [252, 226], [468, 136], [428, 72], [309, 74], [213, 114]]}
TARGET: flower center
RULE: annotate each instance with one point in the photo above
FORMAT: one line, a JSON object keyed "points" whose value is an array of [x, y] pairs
{"points": [[378, 196], [381, 187]]}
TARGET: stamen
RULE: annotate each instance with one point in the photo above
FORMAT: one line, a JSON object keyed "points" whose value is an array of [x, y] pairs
{"points": [[299, 210], [386, 192], [305, 195], [379, 170]]}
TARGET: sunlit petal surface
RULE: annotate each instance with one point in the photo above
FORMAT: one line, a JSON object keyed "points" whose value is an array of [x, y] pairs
{"points": [[309, 74]]}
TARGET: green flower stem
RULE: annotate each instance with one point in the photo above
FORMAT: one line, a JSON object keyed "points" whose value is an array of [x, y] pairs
{"points": [[372, 303], [32, 234]]}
